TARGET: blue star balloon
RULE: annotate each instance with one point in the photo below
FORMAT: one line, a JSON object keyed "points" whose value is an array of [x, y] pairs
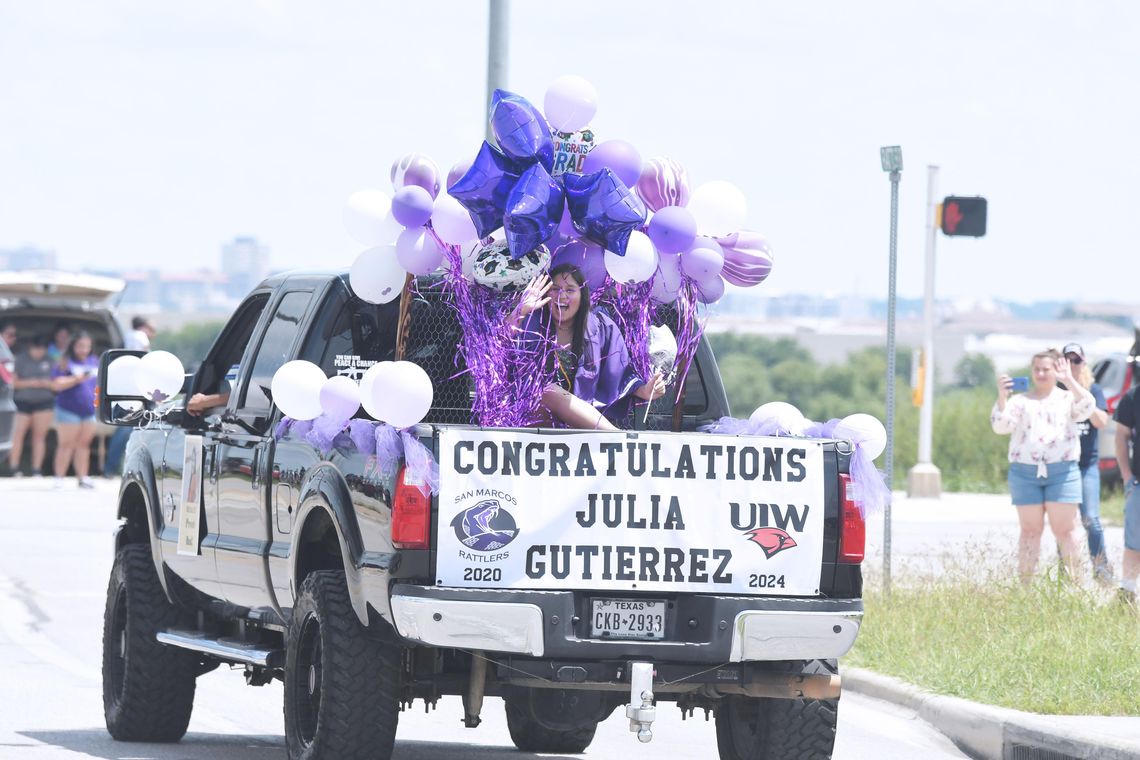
{"points": [[520, 129], [483, 190], [534, 209], [603, 208]]}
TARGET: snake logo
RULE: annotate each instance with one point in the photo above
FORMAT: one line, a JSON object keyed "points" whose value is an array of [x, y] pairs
{"points": [[485, 527]]}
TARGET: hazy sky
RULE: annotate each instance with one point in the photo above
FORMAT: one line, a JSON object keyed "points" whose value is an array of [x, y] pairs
{"points": [[140, 134]]}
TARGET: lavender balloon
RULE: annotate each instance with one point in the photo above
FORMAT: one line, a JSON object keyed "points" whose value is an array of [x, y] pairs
{"points": [[417, 252], [458, 170], [520, 130], [703, 261], [672, 229], [412, 206], [589, 258], [603, 208], [416, 169], [483, 190], [710, 291], [617, 155], [663, 182], [667, 281], [747, 258], [534, 209]]}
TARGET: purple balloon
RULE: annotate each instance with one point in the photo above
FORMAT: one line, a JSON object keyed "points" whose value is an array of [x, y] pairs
{"points": [[603, 208], [672, 229], [618, 156], [412, 206], [457, 171], [520, 129], [534, 209], [589, 258], [483, 190], [747, 258], [710, 291], [703, 261], [663, 182]]}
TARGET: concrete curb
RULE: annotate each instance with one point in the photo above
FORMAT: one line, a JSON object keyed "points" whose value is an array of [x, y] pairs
{"points": [[998, 733]]}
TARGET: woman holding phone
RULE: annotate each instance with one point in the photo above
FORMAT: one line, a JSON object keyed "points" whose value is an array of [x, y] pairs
{"points": [[1044, 456]]}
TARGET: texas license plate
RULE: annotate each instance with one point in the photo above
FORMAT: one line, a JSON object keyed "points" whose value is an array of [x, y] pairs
{"points": [[628, 619]]}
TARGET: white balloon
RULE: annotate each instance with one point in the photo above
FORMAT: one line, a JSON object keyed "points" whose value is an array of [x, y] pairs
{"points": [[570, 103], [159, 375], [785, 415], [639, 262], [365, 217], [296, 389], [417, 252], [376, 276], [340, 397], [399, 393], [122, 376], [719, 208], [452, 222], [863, 430], [667, 281]]}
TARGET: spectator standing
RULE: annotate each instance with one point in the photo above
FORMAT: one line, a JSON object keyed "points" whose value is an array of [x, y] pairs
{"points": [[1128, 437], [1090, 463], [8, 332], [141, 334], [74, 378], [1044, 454], [35, 400], [61, 339]]}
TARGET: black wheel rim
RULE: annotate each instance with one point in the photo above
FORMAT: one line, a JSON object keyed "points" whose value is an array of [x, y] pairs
{"points": [[744, 719], [307, 685], [117, 646]]}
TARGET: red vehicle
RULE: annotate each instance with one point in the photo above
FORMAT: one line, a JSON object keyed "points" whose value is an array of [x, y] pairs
{"points": [[1115, 374]]}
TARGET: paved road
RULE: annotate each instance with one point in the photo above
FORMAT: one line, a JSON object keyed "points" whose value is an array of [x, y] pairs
{"points": [[55, 556]]}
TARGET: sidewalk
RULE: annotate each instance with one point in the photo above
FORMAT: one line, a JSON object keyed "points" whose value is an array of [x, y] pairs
{"points": [[926, 533]]}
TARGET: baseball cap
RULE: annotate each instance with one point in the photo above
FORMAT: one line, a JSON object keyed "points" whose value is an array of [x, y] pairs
{"points": [[1074, 348]]}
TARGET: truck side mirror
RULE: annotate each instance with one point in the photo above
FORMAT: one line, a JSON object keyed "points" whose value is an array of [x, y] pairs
{"points": [[118, 400]]}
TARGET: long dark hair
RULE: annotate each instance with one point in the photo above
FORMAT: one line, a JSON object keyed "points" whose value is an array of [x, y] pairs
{"points": [[69, 354], [583, 314]]}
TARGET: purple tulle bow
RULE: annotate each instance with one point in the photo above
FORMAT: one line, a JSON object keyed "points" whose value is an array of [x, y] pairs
{"points": [[870, 489], [422, 469]]}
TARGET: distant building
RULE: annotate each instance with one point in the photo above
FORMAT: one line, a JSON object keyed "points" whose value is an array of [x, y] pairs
{"points": [[245, 262], [154, 292], [27, 257]]}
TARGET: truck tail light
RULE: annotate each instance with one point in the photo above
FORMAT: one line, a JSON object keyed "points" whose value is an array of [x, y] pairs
{"points": [[852, 527], [411, 514]]}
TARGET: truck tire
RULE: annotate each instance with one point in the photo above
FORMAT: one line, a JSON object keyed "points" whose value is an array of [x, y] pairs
{"points": [[342, 687], [531, 736], [750, 728], [148, 687]]}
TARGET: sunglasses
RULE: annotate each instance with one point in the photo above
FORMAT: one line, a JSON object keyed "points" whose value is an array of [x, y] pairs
{"points": [[1074, 359]]}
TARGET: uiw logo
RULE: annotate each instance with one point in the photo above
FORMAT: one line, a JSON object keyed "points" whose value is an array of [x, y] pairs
{"points": [[756, 521]]}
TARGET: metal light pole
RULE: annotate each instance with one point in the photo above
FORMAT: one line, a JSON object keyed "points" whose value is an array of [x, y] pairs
{"points": [[497, 48], [924, 479], [891, 159]]}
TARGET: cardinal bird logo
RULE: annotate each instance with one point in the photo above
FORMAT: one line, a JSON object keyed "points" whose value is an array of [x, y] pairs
{"points": [[771, 540]]}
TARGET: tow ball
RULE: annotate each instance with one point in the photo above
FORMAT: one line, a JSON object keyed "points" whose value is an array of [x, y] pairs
{"points": [[640, 710]]}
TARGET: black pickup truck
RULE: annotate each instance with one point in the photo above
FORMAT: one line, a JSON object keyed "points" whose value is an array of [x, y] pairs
{"points": [[567, 572]]}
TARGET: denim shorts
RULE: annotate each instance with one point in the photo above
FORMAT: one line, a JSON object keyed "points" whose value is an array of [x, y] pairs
{"points": [[1062, 484], [64, 417], [1132, 516]]}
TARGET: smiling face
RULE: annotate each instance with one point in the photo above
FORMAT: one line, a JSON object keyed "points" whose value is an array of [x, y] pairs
{"points": [[1044, 374], [82, 348], [565, 298]]}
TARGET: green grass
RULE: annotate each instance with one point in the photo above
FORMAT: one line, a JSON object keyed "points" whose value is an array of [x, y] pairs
{"points": [[1053, 648], [1112, 506]]}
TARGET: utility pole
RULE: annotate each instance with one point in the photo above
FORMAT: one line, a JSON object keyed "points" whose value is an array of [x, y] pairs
{"points": [[498, 46], [924, 479], [891, 159]]}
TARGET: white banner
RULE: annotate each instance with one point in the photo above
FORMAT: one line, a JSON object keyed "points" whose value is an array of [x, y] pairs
{"points": [[630, 512]]}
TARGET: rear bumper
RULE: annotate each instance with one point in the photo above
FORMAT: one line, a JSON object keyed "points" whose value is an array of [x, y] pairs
{"points": [[555, 624]]}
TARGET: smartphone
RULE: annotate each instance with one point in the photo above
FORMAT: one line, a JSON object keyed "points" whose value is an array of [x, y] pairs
{"points": [[1020, 384]]}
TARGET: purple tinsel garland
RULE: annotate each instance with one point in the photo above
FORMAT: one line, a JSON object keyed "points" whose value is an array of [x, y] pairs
{"points": [[690, 327], [631, 309]]}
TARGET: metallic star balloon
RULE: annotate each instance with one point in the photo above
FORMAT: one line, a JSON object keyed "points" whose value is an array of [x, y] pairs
{"points": [[483, 190], [520, 129], [603, 208], [534, 208]]}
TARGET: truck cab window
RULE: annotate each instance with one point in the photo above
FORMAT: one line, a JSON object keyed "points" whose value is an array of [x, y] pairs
{"points": [[351, 335], [216, 374], [276, 348]]}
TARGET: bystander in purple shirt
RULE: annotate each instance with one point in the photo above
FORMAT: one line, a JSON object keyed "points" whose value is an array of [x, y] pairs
{"points": [[79, 399]]}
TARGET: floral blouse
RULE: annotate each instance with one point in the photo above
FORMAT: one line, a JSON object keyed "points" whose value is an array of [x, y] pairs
{"points": [[1044, 430]]}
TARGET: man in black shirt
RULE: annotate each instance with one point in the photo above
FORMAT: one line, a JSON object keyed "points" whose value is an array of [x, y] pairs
{"points": [[1127, 434]]}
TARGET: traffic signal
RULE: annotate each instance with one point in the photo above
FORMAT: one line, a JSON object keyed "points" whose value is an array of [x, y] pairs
{"points": [[964, 216]]}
